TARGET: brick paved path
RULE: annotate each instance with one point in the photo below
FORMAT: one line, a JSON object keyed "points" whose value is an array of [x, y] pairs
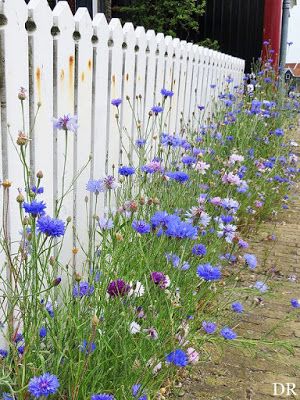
{"points": [[238, 375]]}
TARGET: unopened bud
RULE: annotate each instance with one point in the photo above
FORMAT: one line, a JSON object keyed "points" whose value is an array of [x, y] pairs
{"points": [[22, 139], [156, 201], [22, 94], [52, 261], [39, 174], [75, 250], [142, 201], [20, 198], [6, 184], [56, 281], [69, 219], [150, 201], [77, 277]]}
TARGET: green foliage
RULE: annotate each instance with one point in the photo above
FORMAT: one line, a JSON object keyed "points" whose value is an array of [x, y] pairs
{"points": [[172, 17], [210, 43]]}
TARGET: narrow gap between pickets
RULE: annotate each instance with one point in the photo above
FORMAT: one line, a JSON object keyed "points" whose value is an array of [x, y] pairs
{"points": [[178, 95], [75, 153], [133, 106], [31, 106]]}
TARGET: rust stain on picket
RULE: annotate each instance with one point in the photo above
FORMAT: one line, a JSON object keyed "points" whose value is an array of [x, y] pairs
{"points": [[62, 75], [113, 78], [38, 83], [90, 64], [71, 73], [82, 76], [127, 77]]}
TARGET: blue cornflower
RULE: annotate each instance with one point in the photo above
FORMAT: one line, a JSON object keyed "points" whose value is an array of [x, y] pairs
{"points": [[95, 186], [226, 219], [261, 286], [209, 327], [178, 176], [35, 208], [37, 190], [43, 332], [179, 229], [255, 107], [102, 396], [82, 289], [3, 353], [295, 303], [237, 307], [167, 93], [178, 358], [141, 227], [188, 160], [7, 396], [199, 250], [250, 260], [136, 392], [208, 272], [126, 171], [51, 226], [157, 109], [278, 132], [200, 108], [159, 218], [66, 123], [228, 333], [116, 102], [87, 348], [140, 142], [44, 385]]}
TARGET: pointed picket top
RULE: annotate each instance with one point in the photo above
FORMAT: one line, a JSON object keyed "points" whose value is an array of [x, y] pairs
{"points": [[128, 30], [83, 22], [169, 45], [62, 16], [115, 28], [100, 28], [151, 40], [195, 49], [160, 41], [141, 39]]}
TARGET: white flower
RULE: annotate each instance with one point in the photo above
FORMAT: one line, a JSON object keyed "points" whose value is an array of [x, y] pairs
{"points": [[137, 289], [134, 328], [201, 167]]}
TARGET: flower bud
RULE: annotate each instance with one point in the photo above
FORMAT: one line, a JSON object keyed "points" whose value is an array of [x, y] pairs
{"points": [[69, 219], [156, 201], [75, 250], [22, 139], [6, 184], [77, 277], [22, 94], [56, 281], [150, 201], [20, 198], [39, 174], [52, 261], [142, 201]]}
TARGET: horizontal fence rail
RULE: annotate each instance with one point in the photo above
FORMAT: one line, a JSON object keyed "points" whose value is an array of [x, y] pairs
{"points": [[74, 65]]}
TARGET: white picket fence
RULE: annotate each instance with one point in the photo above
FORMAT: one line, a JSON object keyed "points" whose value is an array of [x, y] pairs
{"points": [[71, 64]]}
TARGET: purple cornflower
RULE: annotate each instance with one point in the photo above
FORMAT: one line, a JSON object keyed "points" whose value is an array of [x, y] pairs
{"points": [[209, 327], [157, 109], [116, 102], [295, 303], [137, 392], [95, 186], [166, 93], [208, 272], [199, 250], [160, 279], [228, 333], [50, 226], [82, 289], [37, 190], [237, 307], [141, 227], [118, 288], [126, 171], [110, 182], [66, 123], [250, 260], [201, 108], [177, 357], [106, 223], [43, 386], [35, 208], [102, 396]]}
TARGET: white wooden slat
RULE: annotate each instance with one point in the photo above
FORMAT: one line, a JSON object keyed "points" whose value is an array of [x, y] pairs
{"points": [[40, 13], [128, 92], [181, 84], [188, 80], [160, 68], [115, 87], [175, 84], [140, 65], [101, 32], [64, 24], [168, 78], [149, 88], [83, 25], [194, 84]]}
